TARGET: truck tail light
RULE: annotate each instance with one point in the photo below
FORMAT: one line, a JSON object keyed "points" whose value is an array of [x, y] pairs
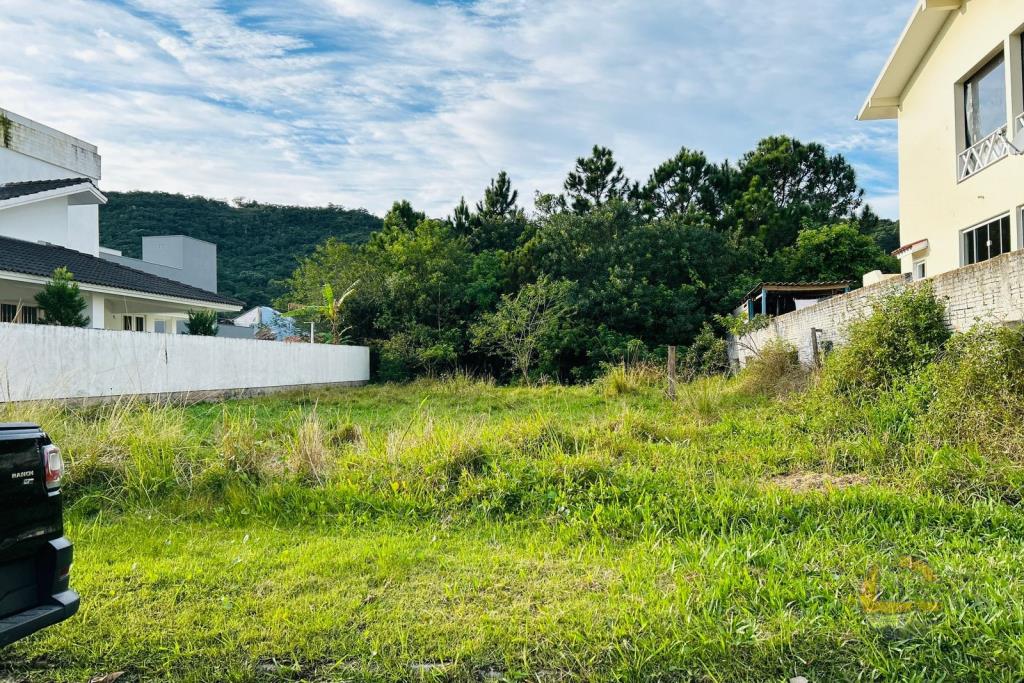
{"points": [[54, 466]]}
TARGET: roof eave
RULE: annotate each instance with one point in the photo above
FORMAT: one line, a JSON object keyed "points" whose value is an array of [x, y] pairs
{"points": [[92, 287], [917, 38], [73, 192]]}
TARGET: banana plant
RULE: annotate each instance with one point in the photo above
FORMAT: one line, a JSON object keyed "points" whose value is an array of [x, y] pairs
{"points": [[329, 312]]}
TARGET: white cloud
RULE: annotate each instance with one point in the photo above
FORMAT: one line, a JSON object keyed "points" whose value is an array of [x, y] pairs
{"points": [[360, 102]]}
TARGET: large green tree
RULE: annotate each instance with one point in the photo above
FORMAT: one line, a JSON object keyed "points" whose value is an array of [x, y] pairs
{"points": [[832, 252], [595, 181], [686, 185], [789, 185], [639, 266]]}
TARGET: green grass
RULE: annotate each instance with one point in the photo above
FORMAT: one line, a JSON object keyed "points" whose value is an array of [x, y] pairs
{"points": [[461, 531]]}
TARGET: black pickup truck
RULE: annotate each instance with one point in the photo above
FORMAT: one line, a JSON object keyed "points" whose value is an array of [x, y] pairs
{"points": [[35, 557]]}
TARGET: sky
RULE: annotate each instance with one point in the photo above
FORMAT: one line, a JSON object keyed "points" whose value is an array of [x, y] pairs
{"points": [[362, 102]]}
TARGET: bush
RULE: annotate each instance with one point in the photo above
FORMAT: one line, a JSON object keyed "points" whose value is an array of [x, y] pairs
{"points": [[202, 323], [618, 380], [899, 339], [775, 371], [61, 301], [708, 355], [979, 391]]}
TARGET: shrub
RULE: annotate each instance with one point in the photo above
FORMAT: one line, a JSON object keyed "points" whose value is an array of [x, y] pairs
{"points": [[202, 323], [706, 356], [979, 391], [61, 301], [624, 381], [900, 338], [309, 457], [775, 371]]}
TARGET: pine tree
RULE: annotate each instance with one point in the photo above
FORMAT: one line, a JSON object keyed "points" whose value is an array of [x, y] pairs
{"points": [[499, 200], [596, 180], [462, 220], [61, 301]]}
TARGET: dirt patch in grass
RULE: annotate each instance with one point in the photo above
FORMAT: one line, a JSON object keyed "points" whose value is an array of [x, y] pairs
{"points": [[804, 482]]}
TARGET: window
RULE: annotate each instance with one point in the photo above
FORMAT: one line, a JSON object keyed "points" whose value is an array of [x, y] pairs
{"points": [[920, 271], [986, 241], [160, 327], [985, 101], [136, 323], [16, 313]]}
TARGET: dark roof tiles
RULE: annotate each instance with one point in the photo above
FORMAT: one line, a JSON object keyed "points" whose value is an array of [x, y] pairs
{"points": [[33, 258], [13, 190]]}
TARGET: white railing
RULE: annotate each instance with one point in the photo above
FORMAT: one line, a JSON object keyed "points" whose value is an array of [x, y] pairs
{"points": [[1020, 124], [986, 152]]}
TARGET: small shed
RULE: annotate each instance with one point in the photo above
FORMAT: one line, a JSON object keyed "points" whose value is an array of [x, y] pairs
{"points": [[778, 298]]}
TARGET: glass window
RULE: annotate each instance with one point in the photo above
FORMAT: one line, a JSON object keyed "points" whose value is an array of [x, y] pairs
{"points": [[920, 271], [986, 241], [14, 313], [985, 100]]}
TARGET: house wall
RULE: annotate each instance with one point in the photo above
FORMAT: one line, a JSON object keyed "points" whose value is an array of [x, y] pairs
{"points": [[38, 362], [84, 229], [933, 204], [175, 257], [45, 221], [38, 152], [53, 221], [989, 292]]}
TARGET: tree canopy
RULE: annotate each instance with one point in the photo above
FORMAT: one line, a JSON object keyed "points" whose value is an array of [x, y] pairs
{"points": [[608, 265]]}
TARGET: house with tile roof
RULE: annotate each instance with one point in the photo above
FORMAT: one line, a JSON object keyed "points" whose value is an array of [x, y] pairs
{"points": [[49, 218], [955, 84]]}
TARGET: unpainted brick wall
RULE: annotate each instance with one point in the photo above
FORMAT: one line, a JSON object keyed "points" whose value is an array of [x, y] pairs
{"points": [[989, 292]]}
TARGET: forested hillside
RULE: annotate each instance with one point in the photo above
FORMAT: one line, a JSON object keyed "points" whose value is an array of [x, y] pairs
{"points": [[258, 244]]}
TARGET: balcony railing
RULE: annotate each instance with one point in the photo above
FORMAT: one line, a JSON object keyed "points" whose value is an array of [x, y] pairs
{"points": [[986, 152]]}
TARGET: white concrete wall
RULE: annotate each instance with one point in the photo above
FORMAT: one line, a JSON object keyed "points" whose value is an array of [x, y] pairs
{"points": [[989, 292], [934, 205], [45, 221], [53, 221], [15, 167], [38, 362], [44, 153], [84, 229]]}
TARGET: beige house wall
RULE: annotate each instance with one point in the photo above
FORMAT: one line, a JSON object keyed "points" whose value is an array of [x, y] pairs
{"points": [[934, 205]]}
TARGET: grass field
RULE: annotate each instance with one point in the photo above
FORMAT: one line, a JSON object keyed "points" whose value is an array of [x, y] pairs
{"points": [[455, 530]]}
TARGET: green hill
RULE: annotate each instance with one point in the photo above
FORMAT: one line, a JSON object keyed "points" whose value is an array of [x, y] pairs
{"points": [[257, 244]]}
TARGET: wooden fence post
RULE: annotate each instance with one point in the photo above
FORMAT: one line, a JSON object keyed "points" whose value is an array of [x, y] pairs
{"points": [[672, 373]]}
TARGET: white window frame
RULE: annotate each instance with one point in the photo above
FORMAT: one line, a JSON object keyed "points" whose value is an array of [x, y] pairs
{"points": [[972, 159], [982, 224], [922, 264]]}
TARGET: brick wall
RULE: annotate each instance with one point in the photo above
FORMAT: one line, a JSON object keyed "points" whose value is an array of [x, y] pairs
{"points": [[992, 291]]}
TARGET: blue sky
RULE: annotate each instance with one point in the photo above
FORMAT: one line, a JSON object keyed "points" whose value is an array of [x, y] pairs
{"points": [[361, 102]]}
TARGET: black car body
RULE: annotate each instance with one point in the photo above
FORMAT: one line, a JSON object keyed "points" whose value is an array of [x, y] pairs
{"points": [[35, 557]]}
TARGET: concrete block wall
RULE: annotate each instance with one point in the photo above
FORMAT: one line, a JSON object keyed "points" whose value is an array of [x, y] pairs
{"points": [[40, 362], [989, 292]]}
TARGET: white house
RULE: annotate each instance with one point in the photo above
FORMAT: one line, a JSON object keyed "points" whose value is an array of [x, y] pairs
{"points": [[955, 84], [49, 218]]}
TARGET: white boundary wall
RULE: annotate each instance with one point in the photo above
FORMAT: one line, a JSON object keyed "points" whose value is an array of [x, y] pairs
{"points": [[988, 292], [39, 362]]}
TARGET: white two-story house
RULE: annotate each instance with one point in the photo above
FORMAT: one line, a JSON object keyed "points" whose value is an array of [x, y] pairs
{"points": [[49, 218], [955, 84]]}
